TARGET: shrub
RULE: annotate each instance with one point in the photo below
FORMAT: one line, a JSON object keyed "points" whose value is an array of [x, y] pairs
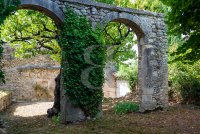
{"points": [[185, 82], [130, 74], [126, 107], [56, 119], [133, 79]]}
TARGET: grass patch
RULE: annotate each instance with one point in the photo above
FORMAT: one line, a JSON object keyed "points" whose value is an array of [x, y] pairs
{"points": [[126, 107], [56, 119]]}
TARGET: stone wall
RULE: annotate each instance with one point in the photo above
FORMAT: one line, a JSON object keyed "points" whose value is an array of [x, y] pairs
{"points": [[113, 87], [33, 79], [109, 88], [29, 79], [122, 88], [5, 99]]}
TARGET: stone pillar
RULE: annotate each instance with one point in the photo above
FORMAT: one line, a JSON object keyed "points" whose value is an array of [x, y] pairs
{"points": [[153, 72], [69, 112]]}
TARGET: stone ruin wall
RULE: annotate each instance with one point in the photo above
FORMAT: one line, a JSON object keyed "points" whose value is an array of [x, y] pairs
{"points": [[29, 79], [33, 79]]}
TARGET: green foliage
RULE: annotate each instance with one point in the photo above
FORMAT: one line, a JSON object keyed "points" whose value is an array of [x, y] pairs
{"points": [[151, 5], [126, 107], [6, 7], [122, 3], [183, 19], [56, 119], [133, 79], [83, 62], [184, 79], [30, 33], [129, 73], [106, 1], [120, 40]]}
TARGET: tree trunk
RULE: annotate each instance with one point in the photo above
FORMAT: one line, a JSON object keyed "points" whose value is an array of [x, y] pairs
{"points": [[55, 110]]}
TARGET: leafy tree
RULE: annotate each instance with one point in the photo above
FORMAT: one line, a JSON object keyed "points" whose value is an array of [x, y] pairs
{"points": [[151, 5], [120, 40], [30, 33], [184, 79], [183, 19]]}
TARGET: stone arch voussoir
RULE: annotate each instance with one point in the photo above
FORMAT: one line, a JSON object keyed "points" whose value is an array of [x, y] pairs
{"points": [[47, 7], [130, 20]]}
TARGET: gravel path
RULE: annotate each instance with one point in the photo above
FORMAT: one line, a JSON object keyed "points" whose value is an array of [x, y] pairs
{"points": [[30, 109]]}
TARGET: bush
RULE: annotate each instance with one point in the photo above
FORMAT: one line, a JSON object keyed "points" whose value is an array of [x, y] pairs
{"points": [[133, 79], [130, 74], [126, 107], [185, 82], [56, 119]]}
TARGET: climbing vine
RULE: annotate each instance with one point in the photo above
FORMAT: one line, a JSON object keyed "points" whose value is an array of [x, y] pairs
{"points": [[6, 7], [83, 62]]}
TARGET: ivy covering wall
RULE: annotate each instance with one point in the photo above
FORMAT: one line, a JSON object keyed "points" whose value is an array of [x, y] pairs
{"points": [[83, 56]]}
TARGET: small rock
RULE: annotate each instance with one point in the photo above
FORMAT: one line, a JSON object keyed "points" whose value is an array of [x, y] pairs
{"points": [[2, 123]]}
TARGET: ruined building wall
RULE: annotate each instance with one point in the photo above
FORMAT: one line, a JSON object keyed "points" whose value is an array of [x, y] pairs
{"points": [[29, 79]]}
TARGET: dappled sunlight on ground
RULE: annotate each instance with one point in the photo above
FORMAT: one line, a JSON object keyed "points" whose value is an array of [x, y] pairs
{"points": [[30, 109]]}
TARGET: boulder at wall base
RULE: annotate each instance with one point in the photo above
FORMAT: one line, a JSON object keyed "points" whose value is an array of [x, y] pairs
{"points": [[55, 110], [1, 123], [2, 127]]}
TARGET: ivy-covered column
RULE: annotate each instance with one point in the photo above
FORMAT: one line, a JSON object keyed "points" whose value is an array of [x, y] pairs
{"points": [[83, 56]]}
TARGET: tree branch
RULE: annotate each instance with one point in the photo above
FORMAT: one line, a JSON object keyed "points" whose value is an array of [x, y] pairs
{"points": [[105, 29], [119, 30]]}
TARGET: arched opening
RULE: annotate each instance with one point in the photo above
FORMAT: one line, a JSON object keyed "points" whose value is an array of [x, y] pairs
{"points": [[47, 7], [33, 79], [134, 24], [121, 72]]}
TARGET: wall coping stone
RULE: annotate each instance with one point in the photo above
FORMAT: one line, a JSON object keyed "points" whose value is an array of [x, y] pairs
{"points": [[33, 66], [115, 8]]}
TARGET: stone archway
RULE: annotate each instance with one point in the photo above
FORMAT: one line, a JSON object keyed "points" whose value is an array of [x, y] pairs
{"points": [[150, 61], [52, 10]]}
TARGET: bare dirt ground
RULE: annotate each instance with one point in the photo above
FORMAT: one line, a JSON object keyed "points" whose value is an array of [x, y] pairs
{"points": [[30, 118]]}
